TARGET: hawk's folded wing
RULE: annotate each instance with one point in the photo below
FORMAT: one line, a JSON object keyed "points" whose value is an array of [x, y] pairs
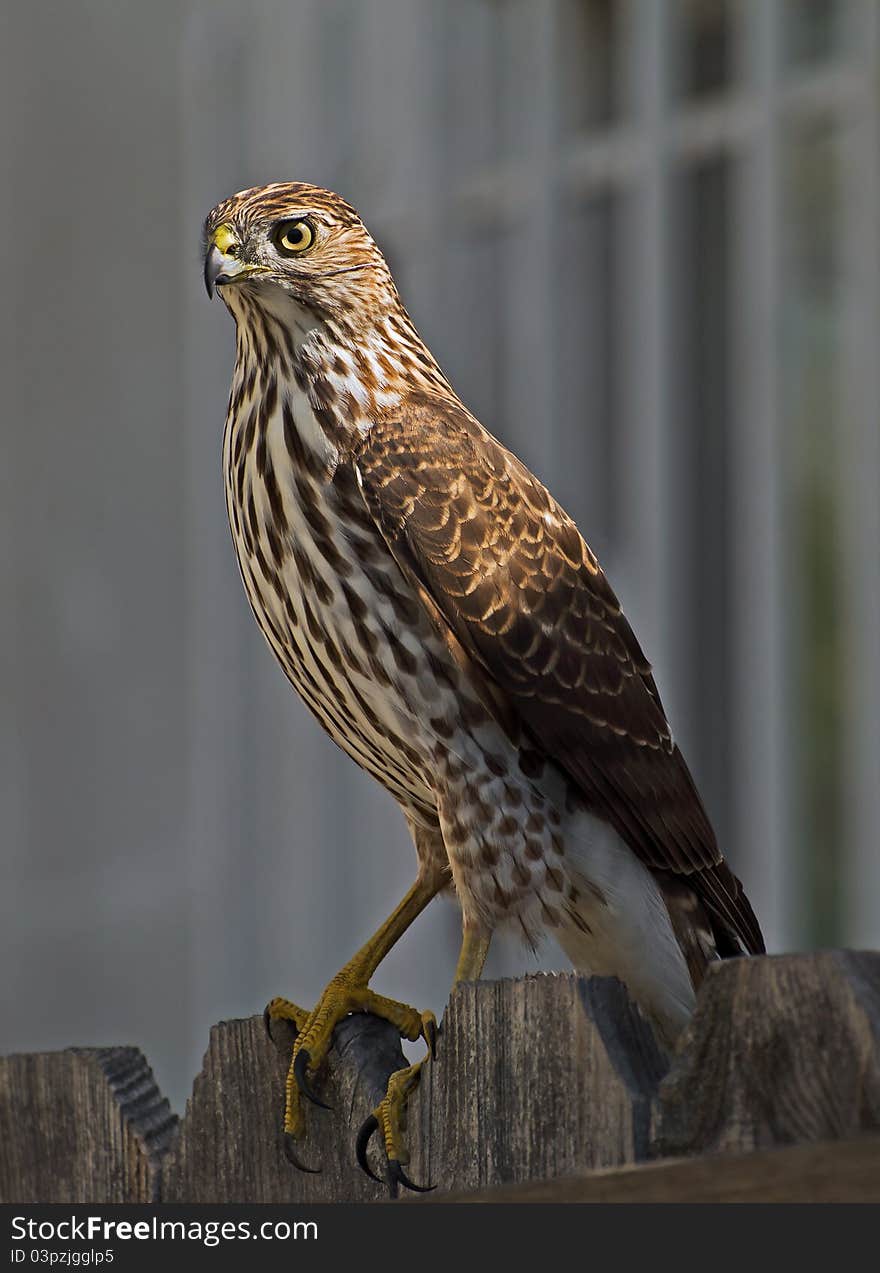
{"points": [[510, 574]]}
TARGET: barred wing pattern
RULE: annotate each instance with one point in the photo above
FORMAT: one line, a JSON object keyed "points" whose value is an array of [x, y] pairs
{"points": [[512, 577]]}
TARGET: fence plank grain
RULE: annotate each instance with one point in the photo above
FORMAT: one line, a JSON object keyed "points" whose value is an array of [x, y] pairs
{"points": [[231, 1146], [524, 1087], [828, 1171], [780, 1050], [549, 1086], [558, 1071], [83, 1125]]}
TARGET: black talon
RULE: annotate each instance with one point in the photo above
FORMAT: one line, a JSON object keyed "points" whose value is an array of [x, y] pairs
{"points": [[283, 1036], [290, 1155], [397, 1176], [363, 1139], [300, 1066], [431, 1038]]}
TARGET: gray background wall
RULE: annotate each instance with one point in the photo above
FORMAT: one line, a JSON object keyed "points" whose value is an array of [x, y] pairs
{"points": [[672, 205]]}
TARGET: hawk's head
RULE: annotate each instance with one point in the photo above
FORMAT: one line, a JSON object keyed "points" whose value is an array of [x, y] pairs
{"points": [[300, 241]]}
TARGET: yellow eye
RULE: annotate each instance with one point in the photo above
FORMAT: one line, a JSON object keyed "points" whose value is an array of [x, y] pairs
{"points": [[293, 237]]}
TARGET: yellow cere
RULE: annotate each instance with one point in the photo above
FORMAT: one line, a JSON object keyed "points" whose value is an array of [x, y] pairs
{"points": [[224, 238]]}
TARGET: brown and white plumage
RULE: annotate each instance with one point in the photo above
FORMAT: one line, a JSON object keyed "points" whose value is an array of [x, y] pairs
{"points": [[524, 594], [445, 621]]}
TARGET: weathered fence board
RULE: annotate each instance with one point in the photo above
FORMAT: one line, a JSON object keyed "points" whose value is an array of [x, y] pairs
{"points": [[231, 1148], [524, 1087], [779, 1050], [85, 1125], [535, 1079], [827, 1171], [540, 1086]]}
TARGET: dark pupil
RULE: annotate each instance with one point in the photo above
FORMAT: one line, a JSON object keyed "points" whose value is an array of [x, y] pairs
{"points": [[294, 236]]}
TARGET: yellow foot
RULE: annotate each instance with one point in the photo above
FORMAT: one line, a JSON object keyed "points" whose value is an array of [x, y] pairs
{"points": [[283, 1010], [346, 993], [389, 1118]]}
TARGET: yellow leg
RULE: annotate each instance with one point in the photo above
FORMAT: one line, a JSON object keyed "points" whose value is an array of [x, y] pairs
{"points": [[349, 992], [472, 956], [389, 1117]]}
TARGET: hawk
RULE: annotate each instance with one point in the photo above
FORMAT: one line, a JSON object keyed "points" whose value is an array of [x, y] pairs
{"points": [[442, 617]]}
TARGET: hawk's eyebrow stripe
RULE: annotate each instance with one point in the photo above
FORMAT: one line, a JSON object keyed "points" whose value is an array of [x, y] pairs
{"points": [[347, 269]]}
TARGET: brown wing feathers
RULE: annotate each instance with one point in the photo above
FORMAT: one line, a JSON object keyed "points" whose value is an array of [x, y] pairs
{"points": [[522, 592]]}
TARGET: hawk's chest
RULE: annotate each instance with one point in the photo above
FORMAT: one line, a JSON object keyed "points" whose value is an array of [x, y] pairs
{"points": [[329, 597]]}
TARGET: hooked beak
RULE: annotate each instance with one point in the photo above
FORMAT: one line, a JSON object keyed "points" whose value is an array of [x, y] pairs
{"points": [[221, 268], [222, 263], [216, 269]]}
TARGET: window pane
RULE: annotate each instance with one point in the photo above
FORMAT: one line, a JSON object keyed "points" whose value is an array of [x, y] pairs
{"points": [[811, 326], [471, 350], [588, 33], [700, 392], [585, 480], [809, 29], [704, 45], [473, 86]]}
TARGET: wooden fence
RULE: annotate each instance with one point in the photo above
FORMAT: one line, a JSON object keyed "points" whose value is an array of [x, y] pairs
{"points": [[547, 1088]]}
